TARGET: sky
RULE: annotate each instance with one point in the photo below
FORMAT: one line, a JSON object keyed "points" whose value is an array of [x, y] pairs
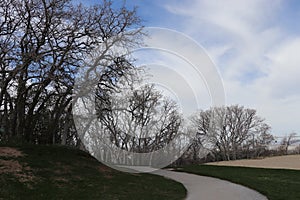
{"points": [[255, 45]]}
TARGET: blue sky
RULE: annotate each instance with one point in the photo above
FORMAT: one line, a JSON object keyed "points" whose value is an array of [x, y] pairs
{"points": [[255, 45]]}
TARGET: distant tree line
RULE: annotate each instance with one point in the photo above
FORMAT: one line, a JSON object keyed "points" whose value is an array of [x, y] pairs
{"points": [[284, 146]]}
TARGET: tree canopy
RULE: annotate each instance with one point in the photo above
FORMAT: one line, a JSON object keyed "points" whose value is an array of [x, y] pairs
{"points": [[43, 44]]}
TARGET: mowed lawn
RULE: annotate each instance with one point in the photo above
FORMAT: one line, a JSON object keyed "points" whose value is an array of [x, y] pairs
{"points": [[276, 184], [54, 172]]}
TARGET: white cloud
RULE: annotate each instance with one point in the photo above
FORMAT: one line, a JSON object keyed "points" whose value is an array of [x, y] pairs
{"points": [[258, 60], [243, 25], [285, 70]]}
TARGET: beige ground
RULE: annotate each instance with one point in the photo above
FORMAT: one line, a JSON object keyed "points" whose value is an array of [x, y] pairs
{"points": [[284, 162]]}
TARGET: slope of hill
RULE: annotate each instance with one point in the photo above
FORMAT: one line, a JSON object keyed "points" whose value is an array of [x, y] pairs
{"points": [[54, 172]]}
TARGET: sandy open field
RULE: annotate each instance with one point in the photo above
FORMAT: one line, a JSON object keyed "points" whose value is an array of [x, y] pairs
{"points": [[281, 162]]}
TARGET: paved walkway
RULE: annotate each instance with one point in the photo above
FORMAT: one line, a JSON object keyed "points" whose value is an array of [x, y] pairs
{"points": [[206, 188]]}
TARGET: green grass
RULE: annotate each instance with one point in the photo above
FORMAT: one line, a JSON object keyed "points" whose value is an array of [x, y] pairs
{"points": [[54, 172], [276, 184]]}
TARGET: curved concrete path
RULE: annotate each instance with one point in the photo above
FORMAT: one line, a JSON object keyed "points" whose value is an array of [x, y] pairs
{"points": [[207, 188]]}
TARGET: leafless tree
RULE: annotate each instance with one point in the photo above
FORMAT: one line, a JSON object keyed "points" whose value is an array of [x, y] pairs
{"points": [[43, 44], [137, 120], [286, 142], [230, 130]]}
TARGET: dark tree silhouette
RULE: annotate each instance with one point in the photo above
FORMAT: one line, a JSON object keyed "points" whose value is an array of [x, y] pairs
{"points": [[42, 45]]}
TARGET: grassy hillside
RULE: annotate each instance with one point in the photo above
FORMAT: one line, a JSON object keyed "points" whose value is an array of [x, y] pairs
{"points": [[276, 184], [53, 172]]}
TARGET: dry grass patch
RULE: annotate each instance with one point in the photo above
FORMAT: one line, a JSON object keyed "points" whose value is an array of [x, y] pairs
{"points": [[10, 152], [13, 167]]}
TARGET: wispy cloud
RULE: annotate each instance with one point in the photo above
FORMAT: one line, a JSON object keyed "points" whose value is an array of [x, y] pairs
{"points": [[258, 58]]}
